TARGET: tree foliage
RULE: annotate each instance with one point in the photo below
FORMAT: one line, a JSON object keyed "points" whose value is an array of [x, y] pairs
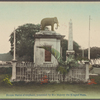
{"points": [[94, 52], [24, 41]]}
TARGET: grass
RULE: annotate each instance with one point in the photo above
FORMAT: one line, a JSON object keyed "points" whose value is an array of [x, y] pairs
{"points": [[51, 91]]}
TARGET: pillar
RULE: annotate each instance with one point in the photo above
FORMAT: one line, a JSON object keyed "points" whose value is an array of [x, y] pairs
{"points": [[14, 61], [14, 70], [87, 71], [70, 50]]}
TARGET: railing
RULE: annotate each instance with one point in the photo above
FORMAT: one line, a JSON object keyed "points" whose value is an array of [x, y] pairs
{"points": [[31, 64], [30, 72], [25, 64]]}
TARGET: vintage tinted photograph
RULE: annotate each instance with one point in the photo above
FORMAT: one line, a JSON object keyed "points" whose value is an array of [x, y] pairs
{"points": [[50, 50]]}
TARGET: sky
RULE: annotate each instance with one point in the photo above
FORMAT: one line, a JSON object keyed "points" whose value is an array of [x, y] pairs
{"points": [[14, 14]]}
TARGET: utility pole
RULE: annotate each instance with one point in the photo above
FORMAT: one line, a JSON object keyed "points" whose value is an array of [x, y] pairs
{"points": [[89, 39]]}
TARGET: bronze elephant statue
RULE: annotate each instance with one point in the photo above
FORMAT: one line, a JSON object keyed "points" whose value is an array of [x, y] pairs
{"points": [[49, 22]]}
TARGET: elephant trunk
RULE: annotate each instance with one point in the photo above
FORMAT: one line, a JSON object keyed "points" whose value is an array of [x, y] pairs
{"points": [[57, 26]]}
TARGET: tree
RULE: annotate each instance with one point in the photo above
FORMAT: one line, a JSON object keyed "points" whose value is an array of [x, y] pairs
{"points": [[94, 52], [24, 41]]}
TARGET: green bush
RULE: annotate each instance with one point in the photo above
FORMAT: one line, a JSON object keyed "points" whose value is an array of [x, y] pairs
{"points": [[6, 81]]}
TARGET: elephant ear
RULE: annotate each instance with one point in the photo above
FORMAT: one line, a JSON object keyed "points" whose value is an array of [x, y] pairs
{"points": [[55, 19]]}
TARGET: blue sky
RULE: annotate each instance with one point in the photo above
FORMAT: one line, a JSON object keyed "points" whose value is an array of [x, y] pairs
{"points": [[14, 14]]}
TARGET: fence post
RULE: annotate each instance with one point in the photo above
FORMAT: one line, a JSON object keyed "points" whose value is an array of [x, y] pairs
{"points": [[87, 71], [13, 70]]}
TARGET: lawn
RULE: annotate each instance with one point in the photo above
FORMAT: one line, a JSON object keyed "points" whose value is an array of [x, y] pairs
{"points": [[50, 90]]}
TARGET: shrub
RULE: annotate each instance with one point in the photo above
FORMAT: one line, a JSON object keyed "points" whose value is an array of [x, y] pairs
{"points": [[6, 81]]}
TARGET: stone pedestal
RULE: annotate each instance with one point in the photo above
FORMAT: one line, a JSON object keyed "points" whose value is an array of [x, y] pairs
{"points": [[47, 38], [70, 53]]}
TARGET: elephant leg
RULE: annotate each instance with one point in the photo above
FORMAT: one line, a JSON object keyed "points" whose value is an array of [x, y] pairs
{"points": [[42, 27], [52, 27]]}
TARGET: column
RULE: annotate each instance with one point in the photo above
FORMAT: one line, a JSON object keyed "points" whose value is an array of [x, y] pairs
{"points": [[14, 61], [87, 71], [13, 70]]}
